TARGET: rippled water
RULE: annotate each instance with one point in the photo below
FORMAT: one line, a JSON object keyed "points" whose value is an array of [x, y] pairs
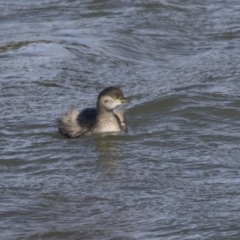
{"points": [[175, 174]]}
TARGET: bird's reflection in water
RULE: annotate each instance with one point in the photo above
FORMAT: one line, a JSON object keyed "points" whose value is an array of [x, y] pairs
{"points": [[108, 150], [107, 147]]}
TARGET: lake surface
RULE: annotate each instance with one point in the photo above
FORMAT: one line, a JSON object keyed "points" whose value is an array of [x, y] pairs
{"points": [[175, 174]]}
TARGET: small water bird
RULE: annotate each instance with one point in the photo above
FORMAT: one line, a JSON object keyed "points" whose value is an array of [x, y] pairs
{"points": [[103, 118]]}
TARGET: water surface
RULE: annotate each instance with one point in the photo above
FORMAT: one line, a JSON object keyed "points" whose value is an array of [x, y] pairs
{"points": [[175, 174]]}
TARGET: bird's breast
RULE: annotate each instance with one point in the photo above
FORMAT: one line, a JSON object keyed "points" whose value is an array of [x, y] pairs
{"points": [[108, 125]]}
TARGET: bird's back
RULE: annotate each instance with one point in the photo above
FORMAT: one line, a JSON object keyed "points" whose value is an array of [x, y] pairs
{"points": [[87, 117], [74, 124]]}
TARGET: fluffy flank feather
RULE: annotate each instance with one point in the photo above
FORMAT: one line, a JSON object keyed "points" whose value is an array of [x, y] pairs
{"points": [[68, 124]]}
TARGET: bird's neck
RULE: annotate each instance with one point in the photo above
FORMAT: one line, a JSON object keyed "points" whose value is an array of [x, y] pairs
{"points": [[101, 111]]}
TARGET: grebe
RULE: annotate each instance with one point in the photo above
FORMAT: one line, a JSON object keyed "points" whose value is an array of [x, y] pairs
{"points": [[103, 118]]}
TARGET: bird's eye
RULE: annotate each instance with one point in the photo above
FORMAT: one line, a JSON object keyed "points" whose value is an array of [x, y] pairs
{"points": [[106, 101]]}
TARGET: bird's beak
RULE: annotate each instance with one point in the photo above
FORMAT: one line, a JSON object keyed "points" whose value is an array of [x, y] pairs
{"points": [[124, 100]]}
